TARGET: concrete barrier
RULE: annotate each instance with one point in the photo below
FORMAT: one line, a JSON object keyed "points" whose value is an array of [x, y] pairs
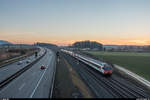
{"points": [[134, 76]]}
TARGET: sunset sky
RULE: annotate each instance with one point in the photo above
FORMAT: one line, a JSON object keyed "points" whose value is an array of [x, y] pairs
{"points": [[65, 21]]}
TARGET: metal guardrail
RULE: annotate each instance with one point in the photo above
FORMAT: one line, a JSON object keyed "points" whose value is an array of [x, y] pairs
{"points": [[18, 73], [10, 61], [133, 75]]}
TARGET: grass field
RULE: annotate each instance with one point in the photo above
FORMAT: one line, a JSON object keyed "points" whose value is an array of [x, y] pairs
{"points": [[135, 62]]}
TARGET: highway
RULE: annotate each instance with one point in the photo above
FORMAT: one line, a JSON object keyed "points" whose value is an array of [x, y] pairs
{"points": [[33, 83], [14, 67], [115, 86]]}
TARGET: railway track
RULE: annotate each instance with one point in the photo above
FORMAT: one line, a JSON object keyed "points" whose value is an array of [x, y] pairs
{"points": [[18, 73], [97, 86], [106, 86], [135, 90], [112, 87], [119, 88]]}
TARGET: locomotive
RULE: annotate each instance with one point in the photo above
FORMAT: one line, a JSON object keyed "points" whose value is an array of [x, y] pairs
{"points": [[102, 67]]}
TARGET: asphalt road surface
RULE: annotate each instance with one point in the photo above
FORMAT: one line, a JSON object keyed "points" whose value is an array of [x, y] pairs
{"points": [[10, 69], [34, 83]]}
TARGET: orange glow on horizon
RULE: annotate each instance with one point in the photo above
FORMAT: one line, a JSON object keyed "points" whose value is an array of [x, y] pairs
{"points": [[127, 42], [31, 38], [104, 42]]}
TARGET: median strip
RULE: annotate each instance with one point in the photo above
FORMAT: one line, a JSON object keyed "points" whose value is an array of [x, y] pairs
{"points": [[10, 61], [18, 73]]}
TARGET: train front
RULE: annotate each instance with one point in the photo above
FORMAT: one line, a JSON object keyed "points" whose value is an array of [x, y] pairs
{"points": [[107, 69]]}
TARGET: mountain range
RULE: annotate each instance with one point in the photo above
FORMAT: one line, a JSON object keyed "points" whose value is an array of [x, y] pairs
{"points": [[2, 42]]}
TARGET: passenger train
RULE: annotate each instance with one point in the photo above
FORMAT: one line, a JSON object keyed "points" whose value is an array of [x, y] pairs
{"points": [[102, 67]]}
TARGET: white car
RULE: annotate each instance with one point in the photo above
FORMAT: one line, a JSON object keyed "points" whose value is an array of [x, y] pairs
{"points": [[28, 61], [20, 62]]}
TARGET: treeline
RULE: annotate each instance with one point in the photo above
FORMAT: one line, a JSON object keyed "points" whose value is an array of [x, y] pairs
{"points": [[88, 44], [21, 51], [48, 45], [147, 49]]}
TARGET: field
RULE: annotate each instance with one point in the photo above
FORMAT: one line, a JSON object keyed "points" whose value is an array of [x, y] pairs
{"points": [[138, 63]]}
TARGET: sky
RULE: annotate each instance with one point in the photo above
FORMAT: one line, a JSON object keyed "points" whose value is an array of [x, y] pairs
{"points": [[63, 22]]}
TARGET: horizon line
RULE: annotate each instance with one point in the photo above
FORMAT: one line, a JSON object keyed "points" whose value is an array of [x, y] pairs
{"points": [[67, 44]]}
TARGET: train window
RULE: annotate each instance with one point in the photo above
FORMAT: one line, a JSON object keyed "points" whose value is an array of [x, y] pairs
{"points": [[106, 65], [99, 67], [107, 68]]}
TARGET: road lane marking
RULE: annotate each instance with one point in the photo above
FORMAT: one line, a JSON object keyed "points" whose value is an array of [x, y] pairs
{"points": [[9, 85], [4, 69], [38, 83], [22, 86]]}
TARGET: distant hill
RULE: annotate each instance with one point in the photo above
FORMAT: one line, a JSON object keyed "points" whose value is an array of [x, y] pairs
{"points": [[2, 42], [48, 45], [88, 44]]}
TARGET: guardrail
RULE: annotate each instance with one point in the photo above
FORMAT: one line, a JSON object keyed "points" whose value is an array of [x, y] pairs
{"points": [[18, 73], [10, 61], [133, 75]]}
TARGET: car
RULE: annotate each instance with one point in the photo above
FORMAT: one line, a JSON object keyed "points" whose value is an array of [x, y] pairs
{"points": [[28, 61], [20, 62], [43, 67]]}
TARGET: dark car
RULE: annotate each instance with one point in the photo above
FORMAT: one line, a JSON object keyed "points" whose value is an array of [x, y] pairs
{"points": [[43, 67]]}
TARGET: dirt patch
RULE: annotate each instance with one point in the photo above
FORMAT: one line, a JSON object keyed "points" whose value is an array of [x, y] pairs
{"points": [[78, 82], [68, 83]]}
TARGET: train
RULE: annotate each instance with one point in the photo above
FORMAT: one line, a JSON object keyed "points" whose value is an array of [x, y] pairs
{"points": [[102, 67]]}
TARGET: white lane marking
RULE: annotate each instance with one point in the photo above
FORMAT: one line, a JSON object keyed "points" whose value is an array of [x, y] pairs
{"points": [[38, 84], [5, 88], [5, 69], [22, 86]]}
